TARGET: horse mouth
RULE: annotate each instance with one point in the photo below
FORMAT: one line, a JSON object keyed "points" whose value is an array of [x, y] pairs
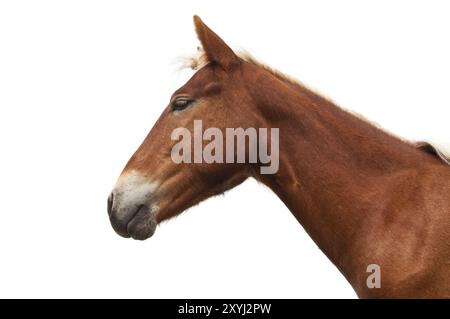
{"points": [[141, 226]]}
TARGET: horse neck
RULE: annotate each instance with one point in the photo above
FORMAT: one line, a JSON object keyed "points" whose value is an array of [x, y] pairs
{"points": [[330, 161]]}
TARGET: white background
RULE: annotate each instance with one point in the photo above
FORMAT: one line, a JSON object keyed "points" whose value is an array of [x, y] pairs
{"points": [[81, 84]]}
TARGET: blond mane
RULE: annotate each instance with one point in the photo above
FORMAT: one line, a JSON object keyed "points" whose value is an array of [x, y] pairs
{"points": [[199, 60]]}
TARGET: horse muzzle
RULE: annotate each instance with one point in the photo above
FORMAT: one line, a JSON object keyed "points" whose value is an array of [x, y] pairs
{"points": [[131, 208]]}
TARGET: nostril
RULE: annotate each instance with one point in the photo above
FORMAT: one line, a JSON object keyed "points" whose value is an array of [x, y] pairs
{"points": [[110, 203]]}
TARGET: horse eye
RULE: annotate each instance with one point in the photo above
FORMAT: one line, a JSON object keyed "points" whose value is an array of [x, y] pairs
{"points": [[181, 103]]}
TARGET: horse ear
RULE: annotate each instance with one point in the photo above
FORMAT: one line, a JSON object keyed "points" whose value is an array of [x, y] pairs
{"points": [[215, 48]]}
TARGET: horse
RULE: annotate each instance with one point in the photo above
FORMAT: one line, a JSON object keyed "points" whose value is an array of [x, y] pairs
{"points": [[366, 197]]}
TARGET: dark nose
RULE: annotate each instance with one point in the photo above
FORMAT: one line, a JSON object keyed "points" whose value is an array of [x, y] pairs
{"points": [[118, 225], [110, 203]]}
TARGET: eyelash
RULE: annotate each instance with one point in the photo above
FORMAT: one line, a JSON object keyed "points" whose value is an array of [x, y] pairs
{"points": [[180, 104]]}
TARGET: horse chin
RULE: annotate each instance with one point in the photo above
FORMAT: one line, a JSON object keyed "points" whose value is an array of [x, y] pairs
{"points": [[143, 225]]}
